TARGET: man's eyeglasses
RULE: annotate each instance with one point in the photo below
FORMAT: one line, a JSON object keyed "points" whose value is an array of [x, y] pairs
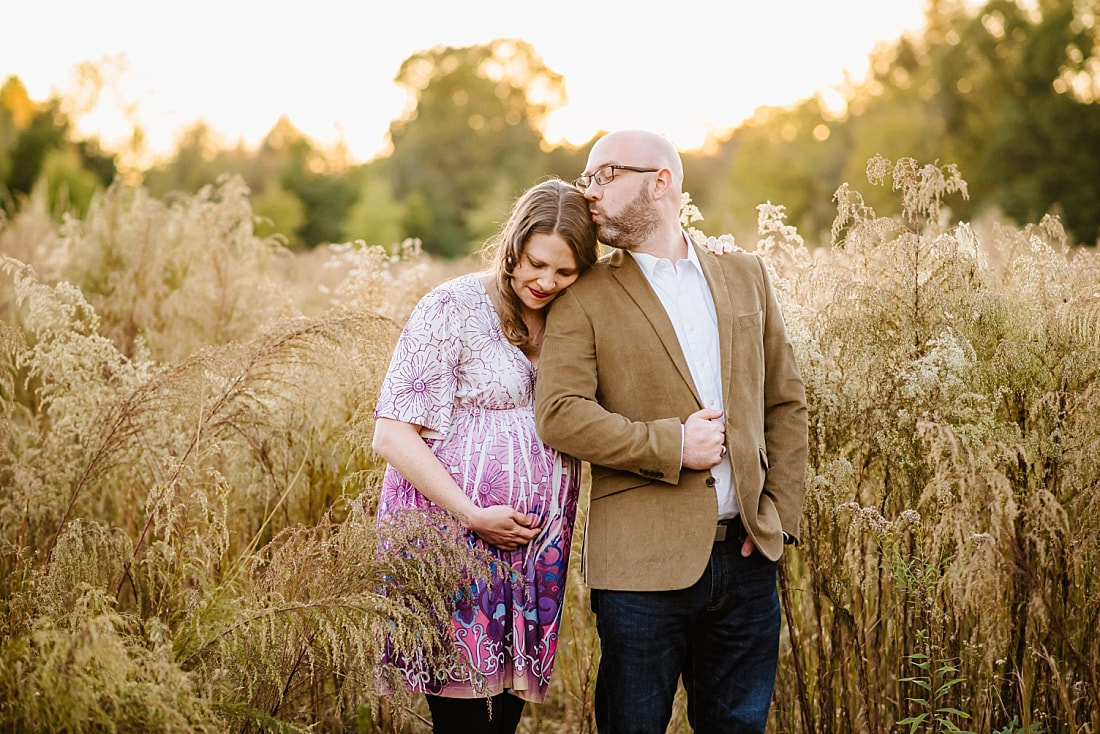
{"points": [[606, 174]]}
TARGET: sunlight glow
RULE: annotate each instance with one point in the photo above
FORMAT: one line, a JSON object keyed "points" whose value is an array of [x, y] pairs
{"points": [[240, 66]]}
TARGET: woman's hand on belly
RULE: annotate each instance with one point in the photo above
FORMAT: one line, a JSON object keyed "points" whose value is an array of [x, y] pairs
{"points": [[503, 526]]}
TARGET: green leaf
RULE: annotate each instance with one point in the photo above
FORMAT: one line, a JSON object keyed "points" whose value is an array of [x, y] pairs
{"points": [[914, 722], [949, 725], [922, 682], [947, 686], [954, 712]]}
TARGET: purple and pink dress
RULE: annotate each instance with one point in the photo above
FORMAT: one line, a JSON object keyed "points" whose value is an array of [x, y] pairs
{"points": [[456, 374]]}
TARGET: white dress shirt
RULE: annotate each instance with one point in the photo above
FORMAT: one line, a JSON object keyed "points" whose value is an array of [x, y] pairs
{"points": [[683, 291]]}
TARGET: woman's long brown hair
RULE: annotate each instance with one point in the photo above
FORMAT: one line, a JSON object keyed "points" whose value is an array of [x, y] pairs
{"points": [[549, 207]]}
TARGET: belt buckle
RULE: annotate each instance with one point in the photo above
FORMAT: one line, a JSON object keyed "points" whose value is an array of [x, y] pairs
{"points": [[720, 533]]}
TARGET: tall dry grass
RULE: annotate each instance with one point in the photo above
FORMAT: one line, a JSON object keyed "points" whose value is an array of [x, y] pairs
{"points": [[952, 528], [187, 536], [186, 517]]}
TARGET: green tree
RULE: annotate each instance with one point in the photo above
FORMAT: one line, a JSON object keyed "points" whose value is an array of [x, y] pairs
{"points": [[191, 167], [789, 157], [321, 182], [46, 131], [326, 196], [265, 171], [566, 161], [279, 212], [37, 150], [375, 217], [1045, 151], [475, 119], [1006, 91], [303, 191], [16, 112], [71, 186]]}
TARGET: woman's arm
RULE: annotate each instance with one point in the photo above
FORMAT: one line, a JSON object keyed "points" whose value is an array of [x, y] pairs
{"points": [[400, 444]]}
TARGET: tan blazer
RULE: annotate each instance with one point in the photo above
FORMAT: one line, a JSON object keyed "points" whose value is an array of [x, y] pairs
{"points": [[614, 388]]}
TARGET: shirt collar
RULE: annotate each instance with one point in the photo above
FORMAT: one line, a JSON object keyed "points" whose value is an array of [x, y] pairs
{"points": [[648, 263]]}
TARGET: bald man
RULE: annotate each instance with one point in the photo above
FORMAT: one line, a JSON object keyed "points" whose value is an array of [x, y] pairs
{"points": [[668, 368]]}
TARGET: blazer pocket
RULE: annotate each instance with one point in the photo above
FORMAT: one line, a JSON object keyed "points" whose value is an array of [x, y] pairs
{"points": [[614, 483], [750, 320]]}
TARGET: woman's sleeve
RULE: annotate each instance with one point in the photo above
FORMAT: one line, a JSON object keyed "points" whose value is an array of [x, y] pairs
{"points": [[420, 384]]}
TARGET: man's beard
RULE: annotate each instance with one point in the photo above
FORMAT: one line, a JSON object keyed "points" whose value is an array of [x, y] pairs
{"points": [[632, 226]]}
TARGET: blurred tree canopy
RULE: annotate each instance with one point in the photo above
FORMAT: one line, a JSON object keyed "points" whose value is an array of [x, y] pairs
{"points": [[471, 138], [37, 147], [1007, 91]]}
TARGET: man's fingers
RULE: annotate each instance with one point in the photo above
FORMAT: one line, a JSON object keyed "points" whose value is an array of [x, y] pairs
{"points": [[706, 414]]}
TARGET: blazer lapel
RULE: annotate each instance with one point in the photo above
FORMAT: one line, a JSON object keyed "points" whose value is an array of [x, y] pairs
{"points": [[723, 308], [633, 281]]}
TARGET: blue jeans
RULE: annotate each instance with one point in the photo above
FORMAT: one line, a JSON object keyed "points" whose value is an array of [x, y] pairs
{"points": [[721, 635]]}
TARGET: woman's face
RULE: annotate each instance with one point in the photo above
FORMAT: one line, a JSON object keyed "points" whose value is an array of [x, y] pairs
{"points": [[546, 268]]}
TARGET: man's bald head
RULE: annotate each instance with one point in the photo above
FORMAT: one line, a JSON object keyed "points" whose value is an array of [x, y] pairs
{"points": [[638, 148]]}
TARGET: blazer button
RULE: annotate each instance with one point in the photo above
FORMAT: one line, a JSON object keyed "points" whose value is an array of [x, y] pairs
{"points": [[711, 481]]}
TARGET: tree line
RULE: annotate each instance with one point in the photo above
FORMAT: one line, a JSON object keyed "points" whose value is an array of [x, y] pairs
{"points": [[1006, 91]]}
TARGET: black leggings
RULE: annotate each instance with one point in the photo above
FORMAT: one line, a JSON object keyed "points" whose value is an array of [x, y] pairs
{"points": [[471, 715]]}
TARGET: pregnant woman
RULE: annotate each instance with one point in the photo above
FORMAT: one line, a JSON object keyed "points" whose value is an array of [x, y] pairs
{"points": [[455, 423]]}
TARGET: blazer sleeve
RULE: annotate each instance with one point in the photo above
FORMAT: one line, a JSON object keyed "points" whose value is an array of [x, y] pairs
{"points": [[785, 417], [568, 413]]}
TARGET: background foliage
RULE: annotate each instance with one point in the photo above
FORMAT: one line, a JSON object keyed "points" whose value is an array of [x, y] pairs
{"points": [[1007, 90], [187, 539], [188, 367]]}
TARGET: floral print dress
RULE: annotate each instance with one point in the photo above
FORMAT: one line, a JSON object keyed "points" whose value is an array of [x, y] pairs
{"points": [[454, 373]]}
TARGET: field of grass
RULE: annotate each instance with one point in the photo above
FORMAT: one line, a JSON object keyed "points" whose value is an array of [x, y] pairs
{"points": [[187, 487]]}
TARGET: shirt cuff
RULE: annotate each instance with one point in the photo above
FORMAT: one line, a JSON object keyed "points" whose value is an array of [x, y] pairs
{"points": [[683, 431]]}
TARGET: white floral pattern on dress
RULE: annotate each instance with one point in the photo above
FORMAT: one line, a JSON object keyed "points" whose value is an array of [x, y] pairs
{"points": [[453, 371]]}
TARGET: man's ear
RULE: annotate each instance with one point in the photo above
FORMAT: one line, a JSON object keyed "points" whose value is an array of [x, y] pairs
{"points": [[662, 183]]}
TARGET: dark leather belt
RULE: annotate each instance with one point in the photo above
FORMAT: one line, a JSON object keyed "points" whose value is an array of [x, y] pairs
{"points": [[730, 530]]}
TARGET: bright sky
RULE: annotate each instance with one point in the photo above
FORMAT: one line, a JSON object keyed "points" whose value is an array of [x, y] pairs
{"points": [[329, 64]]}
